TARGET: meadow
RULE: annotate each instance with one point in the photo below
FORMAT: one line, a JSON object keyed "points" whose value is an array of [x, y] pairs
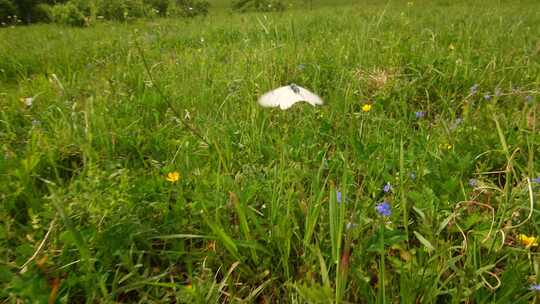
{"points": [[137, 167]]}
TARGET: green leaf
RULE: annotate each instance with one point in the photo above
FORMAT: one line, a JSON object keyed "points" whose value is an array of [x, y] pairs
{"points": [[424, 241]]}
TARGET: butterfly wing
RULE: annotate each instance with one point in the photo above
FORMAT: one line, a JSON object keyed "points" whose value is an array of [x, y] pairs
{"points": [[310, 97], [285, 97]]}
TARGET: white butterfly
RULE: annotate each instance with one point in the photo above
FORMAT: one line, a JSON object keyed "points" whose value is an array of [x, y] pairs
{"points": [[288, 95]]}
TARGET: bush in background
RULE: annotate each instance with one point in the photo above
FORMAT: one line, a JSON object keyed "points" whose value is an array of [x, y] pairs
{"points": [[8, 11], [84, 12], [42, 13], [160, 7], [190, 8], [122, 10], [68, 14], [258, 5]]}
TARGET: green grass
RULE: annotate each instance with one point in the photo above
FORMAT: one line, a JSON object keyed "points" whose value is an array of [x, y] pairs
{"points": [[254, 217]]}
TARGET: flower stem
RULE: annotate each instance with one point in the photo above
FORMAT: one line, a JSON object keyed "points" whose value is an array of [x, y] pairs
{"points": [[382, 283]]}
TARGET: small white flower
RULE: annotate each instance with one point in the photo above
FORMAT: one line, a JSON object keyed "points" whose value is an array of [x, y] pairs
{"points": [[28, 101]]}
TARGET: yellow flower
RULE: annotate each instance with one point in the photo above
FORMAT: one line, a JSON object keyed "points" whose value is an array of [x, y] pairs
{"points": [[366, 108], [446, 146], [528, 241], [173, 177], [451, 47]]}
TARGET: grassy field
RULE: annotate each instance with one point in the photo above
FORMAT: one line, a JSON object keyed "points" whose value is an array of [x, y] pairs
{"points": [[274, 206]]}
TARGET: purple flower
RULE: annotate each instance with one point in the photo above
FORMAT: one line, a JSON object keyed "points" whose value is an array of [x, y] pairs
{"points": [[384, 209], [535, 287], [419, 114], [474, 89], [387, 188], [487, 96], [338, 196], [473, 182], [536, 180]]}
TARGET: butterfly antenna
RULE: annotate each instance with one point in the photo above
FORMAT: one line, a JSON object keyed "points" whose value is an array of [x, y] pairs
{"points": [[166, 98]]}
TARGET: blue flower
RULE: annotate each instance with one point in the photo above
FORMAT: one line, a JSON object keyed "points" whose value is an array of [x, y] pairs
{"points": [[535, 287], [536, 180], [487, 96], [474, 89], [419, 114], [338, 196], [473, 182], [384, 209], [387, 188]]}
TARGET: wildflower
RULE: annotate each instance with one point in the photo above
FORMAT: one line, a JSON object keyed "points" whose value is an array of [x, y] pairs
{"points": [[28, 101], [301, 66], [487, 96], [451, 47], [535, 287], [36, 123], [474, 89], [536, 180], [148, 83], [366, 108], [528, 241], [413, 175], [420, 114], [387, 188], [529, 98], [384, 209], [498, 92], [446, 146], [473, 182], [338, 197], [173, 177], [350, 225]]}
